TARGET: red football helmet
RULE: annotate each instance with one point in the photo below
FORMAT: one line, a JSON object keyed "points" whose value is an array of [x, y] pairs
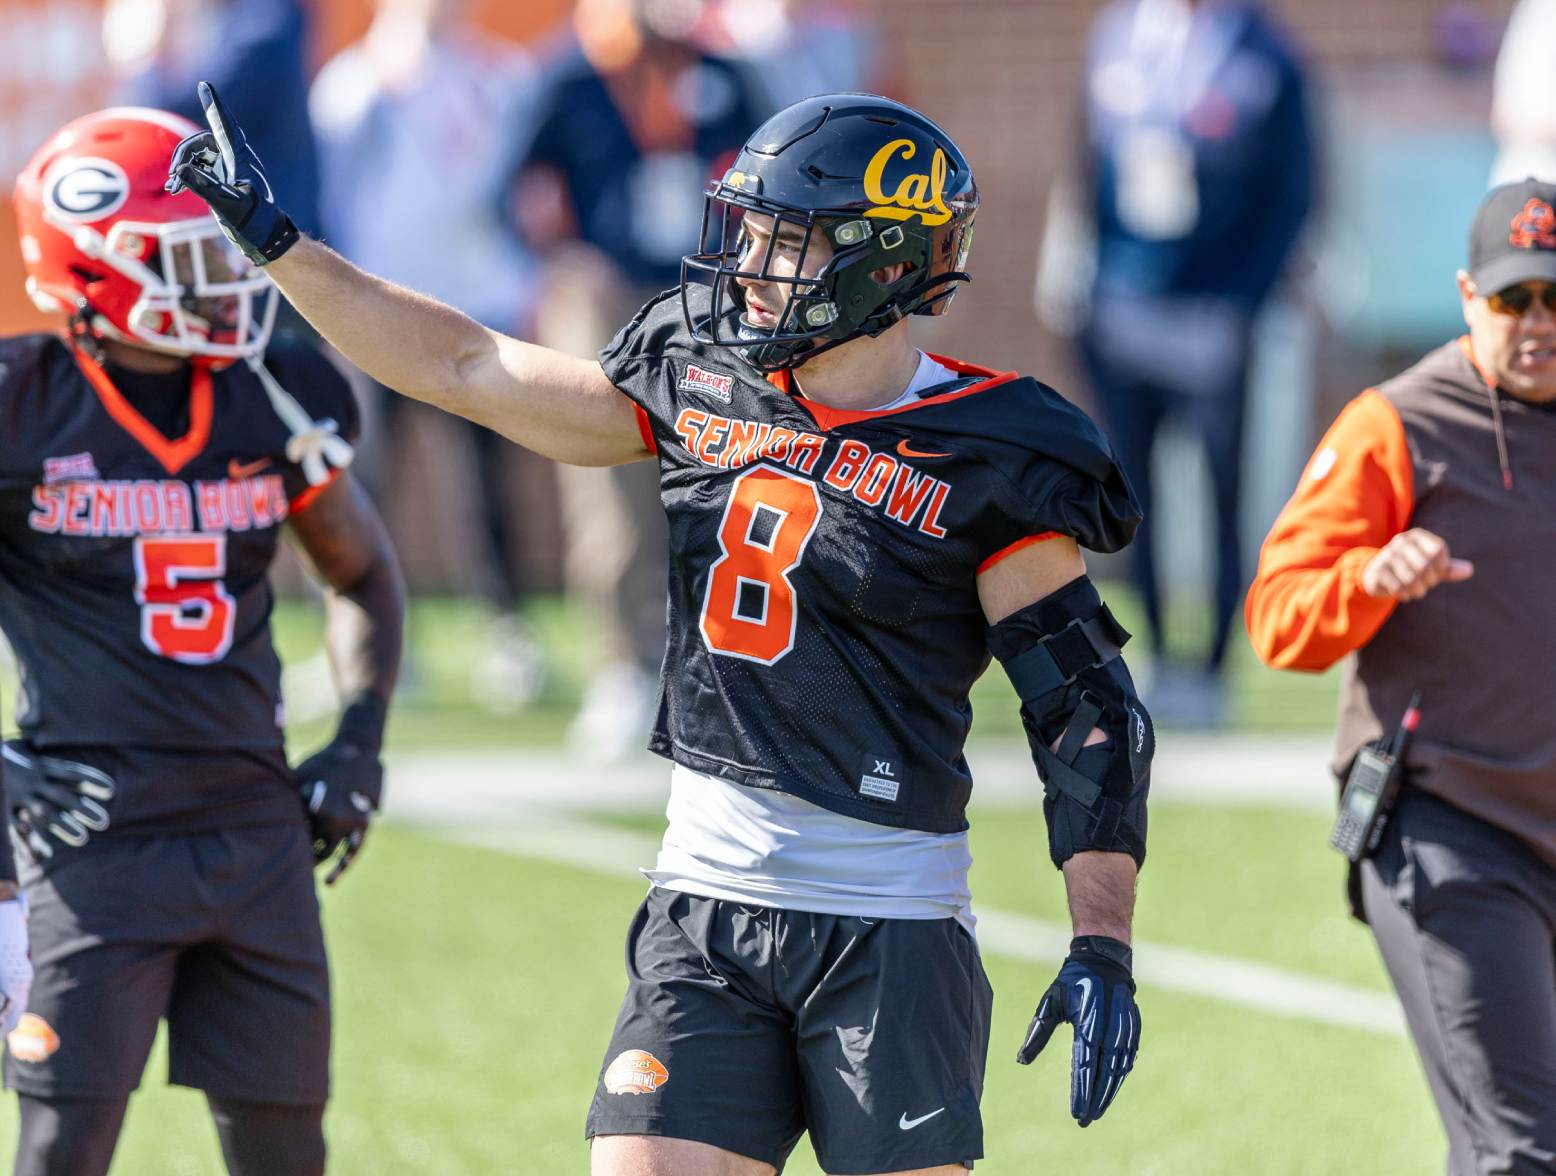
{"points": [[103, 242]]}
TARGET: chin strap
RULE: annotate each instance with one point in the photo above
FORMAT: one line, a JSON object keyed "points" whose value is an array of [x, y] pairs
{"points": [[316, 446], [78, 329]]}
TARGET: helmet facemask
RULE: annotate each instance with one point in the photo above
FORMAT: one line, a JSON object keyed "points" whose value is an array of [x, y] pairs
{"points": [[835, 301], [215, 305]]}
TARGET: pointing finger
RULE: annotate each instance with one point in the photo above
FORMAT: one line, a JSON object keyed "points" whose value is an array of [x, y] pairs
{"points": [[221, 126]]}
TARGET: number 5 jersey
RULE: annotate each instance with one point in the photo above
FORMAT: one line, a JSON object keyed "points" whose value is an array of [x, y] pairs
{"points": [[133, 567], [824, 622]]}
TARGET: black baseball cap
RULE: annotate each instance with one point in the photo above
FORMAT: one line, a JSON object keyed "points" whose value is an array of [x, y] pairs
{"points": [[1513, 238]]}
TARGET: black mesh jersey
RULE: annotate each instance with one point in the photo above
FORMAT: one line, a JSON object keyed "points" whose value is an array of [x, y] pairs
{"points": [[824, 624], [133, 564]]}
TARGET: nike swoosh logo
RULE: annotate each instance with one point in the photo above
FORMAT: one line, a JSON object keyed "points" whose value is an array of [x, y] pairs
{"points": [[1084, 984], [908, 1124], [908, 451], [237, 471]]}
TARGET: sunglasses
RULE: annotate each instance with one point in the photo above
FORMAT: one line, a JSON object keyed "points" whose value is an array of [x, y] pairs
{"points": [[1515, 300]]}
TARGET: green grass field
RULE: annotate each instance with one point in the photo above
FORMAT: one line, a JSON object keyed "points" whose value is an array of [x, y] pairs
{"points": [[446, 635], [476, 989]]}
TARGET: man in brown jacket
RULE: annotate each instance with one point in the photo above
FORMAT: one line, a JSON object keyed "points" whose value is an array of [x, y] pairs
{"points": [[1422, 540]]}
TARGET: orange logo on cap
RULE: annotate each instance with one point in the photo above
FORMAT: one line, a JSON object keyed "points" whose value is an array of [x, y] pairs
{"points": [[1534, 226], [33, 1039], [635, 1072]]}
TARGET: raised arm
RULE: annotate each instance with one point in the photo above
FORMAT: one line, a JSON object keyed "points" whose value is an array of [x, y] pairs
{"points": [[555, 404]]}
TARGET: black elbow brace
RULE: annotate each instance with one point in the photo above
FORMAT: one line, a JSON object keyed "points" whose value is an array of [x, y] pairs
{"points": [[1063, 655]]}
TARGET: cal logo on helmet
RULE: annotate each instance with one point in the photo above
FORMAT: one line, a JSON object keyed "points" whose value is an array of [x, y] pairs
{"points": [[635, 1072], [917, 194], [86, 189], [33, 1039]]}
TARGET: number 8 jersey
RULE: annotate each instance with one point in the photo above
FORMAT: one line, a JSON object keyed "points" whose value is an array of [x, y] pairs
{"points": [[824, 622]]}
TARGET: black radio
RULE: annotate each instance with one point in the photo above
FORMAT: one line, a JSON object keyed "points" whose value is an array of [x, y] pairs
{"points": [[1371, 789]]}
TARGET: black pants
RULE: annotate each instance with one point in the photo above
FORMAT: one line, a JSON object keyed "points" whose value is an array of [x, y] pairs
{"points": [[215, 932], [1465, 916], [1134, 405], [745, 1026], [76, 1137]]}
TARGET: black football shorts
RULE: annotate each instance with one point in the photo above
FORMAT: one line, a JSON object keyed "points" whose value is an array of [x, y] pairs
{"points": [[217, 932], [746, 1026]]}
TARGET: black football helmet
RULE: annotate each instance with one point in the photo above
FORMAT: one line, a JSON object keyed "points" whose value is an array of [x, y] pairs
{"points": [[883, 183]]}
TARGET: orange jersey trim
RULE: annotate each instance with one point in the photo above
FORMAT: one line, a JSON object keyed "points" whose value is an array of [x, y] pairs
{"points": [[1018, 545], [1306, 608], [306, 498], [645, 428], [173, 454], [830, 418]]}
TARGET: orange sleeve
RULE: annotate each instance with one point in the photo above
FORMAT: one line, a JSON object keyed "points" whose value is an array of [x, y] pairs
{"points": [[306, 496], [645, 428], [1306, 608]]}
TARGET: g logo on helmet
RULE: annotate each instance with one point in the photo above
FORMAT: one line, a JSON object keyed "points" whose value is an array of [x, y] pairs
{"points": [[917, 194], [85, 189]]}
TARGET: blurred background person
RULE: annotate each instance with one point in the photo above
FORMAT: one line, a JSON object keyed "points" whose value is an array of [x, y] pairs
{"points": [[1196, 182], [1523, 99], [433, 110], [1419, 548], [256, 51], [633, 119], [798, 48]]}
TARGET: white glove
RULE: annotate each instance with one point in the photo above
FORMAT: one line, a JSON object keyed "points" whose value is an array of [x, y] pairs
{"points": [[15, 963]]}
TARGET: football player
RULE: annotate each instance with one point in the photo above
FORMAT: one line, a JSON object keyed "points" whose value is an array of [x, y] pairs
{"points": [[150, 454], [855, 526]]}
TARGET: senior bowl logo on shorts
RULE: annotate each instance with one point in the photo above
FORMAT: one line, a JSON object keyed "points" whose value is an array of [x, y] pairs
{"points": [[33, 1039], [635, 1072], [1534, 227], [84, 189]]}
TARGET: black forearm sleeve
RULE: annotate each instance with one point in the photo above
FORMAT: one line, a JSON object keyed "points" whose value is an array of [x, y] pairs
{"points": [[1063, 654]]}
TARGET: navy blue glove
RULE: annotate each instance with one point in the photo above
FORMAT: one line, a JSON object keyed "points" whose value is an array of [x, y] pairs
{"points": [[53, 801], [342, 786], [1095, 992], [222, 169]]}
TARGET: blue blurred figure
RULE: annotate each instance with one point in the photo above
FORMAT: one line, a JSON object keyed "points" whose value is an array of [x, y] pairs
{"points": [[253, 51], [1198, 177]]}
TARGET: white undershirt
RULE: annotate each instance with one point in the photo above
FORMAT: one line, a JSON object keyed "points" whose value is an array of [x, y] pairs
{"points": [[767, 848]]}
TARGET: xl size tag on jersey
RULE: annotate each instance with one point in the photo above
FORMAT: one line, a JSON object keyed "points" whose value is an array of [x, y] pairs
{"points": [[882, 779]]}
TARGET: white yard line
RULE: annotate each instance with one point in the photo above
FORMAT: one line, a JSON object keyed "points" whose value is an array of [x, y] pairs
{"points": [[1288, 771], [571, 841]]}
